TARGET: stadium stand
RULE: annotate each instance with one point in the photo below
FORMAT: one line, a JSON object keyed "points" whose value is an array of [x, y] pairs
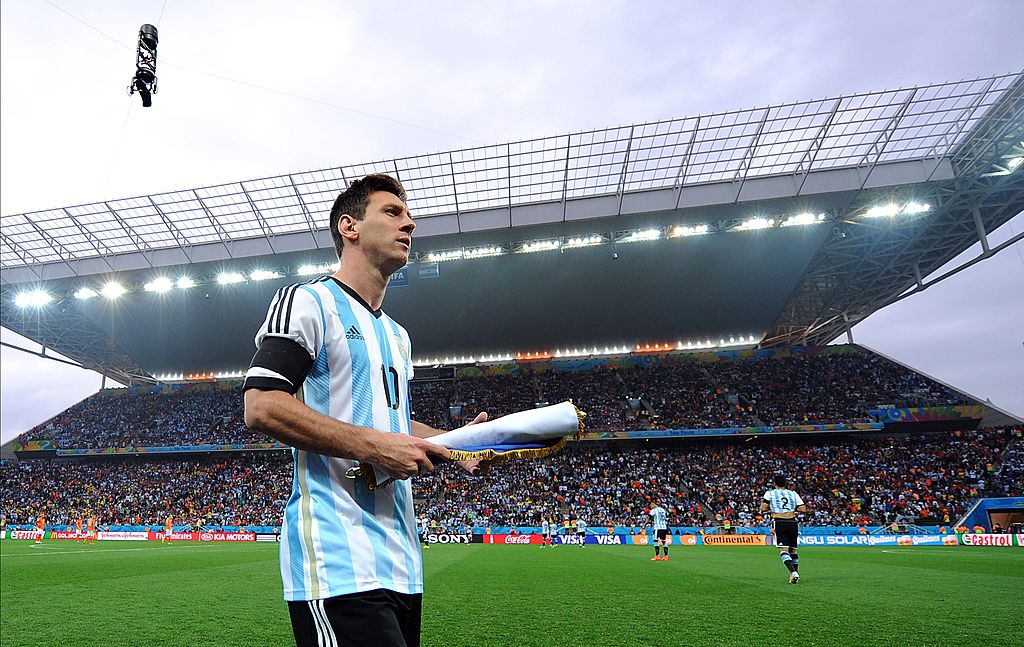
{"points": [[853, 479], [931, 478], [838, 386]]}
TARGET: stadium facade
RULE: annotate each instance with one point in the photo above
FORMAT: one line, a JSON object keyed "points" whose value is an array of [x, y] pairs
{"points": [[775, 226]]}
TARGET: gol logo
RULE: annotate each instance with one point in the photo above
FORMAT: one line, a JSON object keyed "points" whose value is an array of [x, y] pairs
{"points": [[904, 540]]}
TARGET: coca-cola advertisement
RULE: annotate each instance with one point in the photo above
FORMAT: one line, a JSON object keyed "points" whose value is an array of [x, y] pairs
{"points": [[512, 539]]}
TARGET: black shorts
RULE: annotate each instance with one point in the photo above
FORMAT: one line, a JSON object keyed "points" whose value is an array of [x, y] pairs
{"points": [[378, 617], [660, 534], [786, 531]]}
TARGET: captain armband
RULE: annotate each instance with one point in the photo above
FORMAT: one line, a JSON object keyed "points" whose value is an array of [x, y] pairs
{"points": [[280, 364]]}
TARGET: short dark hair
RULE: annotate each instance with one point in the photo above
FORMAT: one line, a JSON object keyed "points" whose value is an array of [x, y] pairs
{"points": [[779, 480], [354, 199]]}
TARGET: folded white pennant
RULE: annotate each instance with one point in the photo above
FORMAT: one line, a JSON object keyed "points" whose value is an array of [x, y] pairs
{"points": [[526, 434], [532, 426]]}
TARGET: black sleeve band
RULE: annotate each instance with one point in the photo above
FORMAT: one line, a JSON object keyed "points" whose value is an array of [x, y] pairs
{"points": [[283, 356]]}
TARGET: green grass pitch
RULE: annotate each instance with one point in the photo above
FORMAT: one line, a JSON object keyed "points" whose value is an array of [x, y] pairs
{"points": [[114, 593]]}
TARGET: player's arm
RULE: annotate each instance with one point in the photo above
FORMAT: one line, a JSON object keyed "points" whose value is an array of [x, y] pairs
{"points": [[476, 467], [764, 507], [802, 508], [282, 417]]}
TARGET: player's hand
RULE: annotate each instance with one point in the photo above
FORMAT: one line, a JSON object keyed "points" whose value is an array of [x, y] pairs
{"points": [[404, 456], [476, 466]]}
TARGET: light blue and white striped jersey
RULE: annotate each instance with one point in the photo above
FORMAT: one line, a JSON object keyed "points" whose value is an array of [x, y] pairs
{"points": [[545, 527], [659, 517], [781, 500], [339, 537]]}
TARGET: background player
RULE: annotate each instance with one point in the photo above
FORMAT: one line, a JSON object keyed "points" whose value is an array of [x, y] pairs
{"points": [[545, 531], [581, 531], [784, 505], [168, 529], [40, 527], [659, 521], [424, 526]]}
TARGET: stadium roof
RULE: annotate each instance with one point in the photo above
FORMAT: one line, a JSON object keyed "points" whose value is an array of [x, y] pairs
{"points": [[950, 148]]}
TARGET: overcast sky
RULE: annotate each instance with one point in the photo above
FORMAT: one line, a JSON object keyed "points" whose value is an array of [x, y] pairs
{"points": [[283, 87]]}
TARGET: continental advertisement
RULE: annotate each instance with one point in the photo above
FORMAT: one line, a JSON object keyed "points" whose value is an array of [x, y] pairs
{"points": [[735, 540]]}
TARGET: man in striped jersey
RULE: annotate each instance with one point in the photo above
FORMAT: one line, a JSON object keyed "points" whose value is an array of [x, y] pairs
{"points": [[784, 505], [350, 559], [659, 521]]}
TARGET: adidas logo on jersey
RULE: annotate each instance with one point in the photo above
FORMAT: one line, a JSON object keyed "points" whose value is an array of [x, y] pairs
{"points": [[353, 333]]}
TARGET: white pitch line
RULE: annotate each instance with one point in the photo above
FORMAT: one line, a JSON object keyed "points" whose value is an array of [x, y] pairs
{"points": [[97, 550], [953, 551]]}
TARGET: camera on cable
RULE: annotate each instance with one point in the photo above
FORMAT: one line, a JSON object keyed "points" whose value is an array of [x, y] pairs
{"points": [[144, 80]]}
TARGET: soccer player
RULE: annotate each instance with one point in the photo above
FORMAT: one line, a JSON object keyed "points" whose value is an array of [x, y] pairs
{"points": [[784, 505], [545, 531], [581, 531], [78, 529], [659, 520], [90, 525], [168, 529], [350, 561], [424, 527], [40, 527]]}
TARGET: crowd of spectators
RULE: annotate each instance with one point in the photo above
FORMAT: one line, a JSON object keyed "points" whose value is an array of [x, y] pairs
{"points": [[832, 388], [825, 389], [247, 490], [113, 419], [927, 477]]}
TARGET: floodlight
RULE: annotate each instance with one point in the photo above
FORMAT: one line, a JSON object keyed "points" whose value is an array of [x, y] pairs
{"points": [[144, 81], [803, 219], [643, 234], [1014, 163], [113, 290], [583, 241], [880, 211], [540, 246], [448, 255], [322, 268], [688, 230], [185, 282], [225, 278], [160, 284], [262, 275], [33, 298], [756, 223], [86, 293], [480, 252]]}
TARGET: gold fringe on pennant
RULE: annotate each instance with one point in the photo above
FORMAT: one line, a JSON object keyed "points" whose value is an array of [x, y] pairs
{"points": [[497, 457]]}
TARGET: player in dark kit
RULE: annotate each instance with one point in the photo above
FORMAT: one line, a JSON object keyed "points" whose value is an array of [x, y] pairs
{"points": [[784, 505]]}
